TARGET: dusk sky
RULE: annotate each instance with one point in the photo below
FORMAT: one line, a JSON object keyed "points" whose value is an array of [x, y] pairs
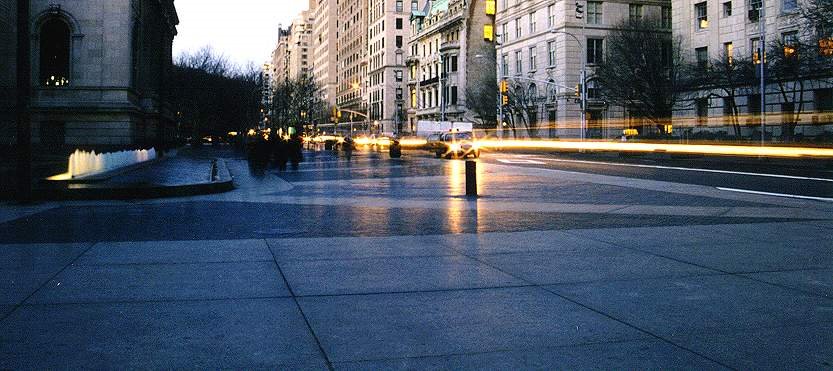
{"points": [[243, 30]]}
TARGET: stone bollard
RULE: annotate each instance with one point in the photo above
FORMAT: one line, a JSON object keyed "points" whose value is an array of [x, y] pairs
{"points": [[471, 178]]}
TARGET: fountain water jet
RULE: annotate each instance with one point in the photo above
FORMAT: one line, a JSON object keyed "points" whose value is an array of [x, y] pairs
{"points": [[83, 163]]}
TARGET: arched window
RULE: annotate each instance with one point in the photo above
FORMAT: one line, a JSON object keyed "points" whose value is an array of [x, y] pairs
{"points": [[553, 91], [532, 93], [54, 53]]}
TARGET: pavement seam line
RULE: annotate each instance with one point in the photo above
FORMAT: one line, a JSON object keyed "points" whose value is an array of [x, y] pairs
{"points": [[47, 281], [503, 350], [724, 272], [327, 360], [598, 311]]}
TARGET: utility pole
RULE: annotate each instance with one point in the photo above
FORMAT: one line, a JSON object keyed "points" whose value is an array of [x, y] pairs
{"points": [[762, 57], [24, 91]]}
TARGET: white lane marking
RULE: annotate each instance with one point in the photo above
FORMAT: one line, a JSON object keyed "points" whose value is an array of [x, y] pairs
{"points": [[521, 162], [690, 169], [775, 194]]}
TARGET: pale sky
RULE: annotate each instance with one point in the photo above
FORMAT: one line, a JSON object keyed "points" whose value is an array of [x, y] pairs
{"points": [[243, 30]]}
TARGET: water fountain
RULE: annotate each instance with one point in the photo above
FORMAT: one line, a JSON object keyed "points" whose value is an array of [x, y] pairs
{"points": [[85, 164]]}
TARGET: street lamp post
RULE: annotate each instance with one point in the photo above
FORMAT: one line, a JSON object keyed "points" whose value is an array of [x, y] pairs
{"points": [[762, 59], [583, 78]]}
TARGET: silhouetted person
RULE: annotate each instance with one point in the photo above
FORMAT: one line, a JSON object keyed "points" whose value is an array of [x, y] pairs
{"points": [[296, 154], [281, 153]]}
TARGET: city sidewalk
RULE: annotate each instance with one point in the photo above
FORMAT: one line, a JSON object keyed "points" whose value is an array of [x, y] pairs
{"points": [[379, 263]]}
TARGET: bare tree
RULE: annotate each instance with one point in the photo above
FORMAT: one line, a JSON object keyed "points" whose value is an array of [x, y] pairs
{"points": [[731, 77], [795, 67], [643, 70]]}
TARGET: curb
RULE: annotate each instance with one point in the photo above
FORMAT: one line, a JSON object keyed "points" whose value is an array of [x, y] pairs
{"points": [[219, 181]]}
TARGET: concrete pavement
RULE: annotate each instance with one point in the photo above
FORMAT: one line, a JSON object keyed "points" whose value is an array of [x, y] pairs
{"points": [[382, 264]]}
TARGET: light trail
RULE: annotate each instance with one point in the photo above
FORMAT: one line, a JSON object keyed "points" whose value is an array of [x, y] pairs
{"points": [[703, 149], [794, 177]]}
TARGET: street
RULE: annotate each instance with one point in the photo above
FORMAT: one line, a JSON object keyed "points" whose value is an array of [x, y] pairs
{"points": [[577, 261]]}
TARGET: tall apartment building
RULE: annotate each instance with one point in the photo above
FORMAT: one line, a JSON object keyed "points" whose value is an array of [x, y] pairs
{"points": [[542, 48], [325, 53], [387, 47], [713, 29], [292, 56], [299, 48], [280, 56], [448, 55], [352, 58]]}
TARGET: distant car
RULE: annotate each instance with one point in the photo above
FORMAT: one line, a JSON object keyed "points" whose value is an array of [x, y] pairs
{"points": [[434, 142], [457, 145]]}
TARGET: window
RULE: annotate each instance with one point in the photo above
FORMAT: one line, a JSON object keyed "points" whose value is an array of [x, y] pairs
{"points": [[754, 10], [532, 24], [790, 43], [453, 95], [789, 5], [702, 16], [504, 34], [519, 62], [54, 53], [594, 12], [727, 9], [399, 5], [729, 52], [504, 63], [593, 91], [702, 108], [414, 5], [551, 53], [702, 55], [398, 75], [413, 98], [666, 17], [398, 93], [595, 51], [756, 50], [518, 30], [532, 92], [753, 104], [823, 99], [533, 58], [635, 13], [399, 42], [550, 16]]}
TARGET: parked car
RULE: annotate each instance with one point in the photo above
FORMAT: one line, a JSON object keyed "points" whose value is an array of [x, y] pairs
{"points": [[457, 145]]}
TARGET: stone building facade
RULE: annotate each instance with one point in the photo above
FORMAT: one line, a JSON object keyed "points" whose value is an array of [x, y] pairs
{"points": [[714, 30], [447, 54], [387, 48], [325, 56], [99, 69], [542, 48], [352, 58]]}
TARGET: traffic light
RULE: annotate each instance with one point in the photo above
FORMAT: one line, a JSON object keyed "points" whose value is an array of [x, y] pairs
{"points": [[579, 10], [504, 100], [504, 86], [578, 90]]}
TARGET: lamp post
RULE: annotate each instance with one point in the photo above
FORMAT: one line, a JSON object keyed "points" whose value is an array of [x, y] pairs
{"points": [[762, 20], [583, 78]]}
